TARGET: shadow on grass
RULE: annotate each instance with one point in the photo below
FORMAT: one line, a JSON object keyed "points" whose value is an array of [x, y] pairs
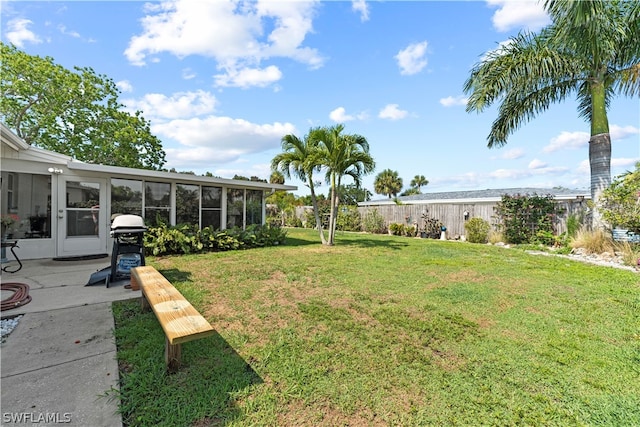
{"points": [[212, 372], [174, 275]]}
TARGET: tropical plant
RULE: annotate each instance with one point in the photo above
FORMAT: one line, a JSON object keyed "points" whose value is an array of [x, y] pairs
{"points": [[76, 113], [388, 183], [524, 216], [300, 158], [342, 155], [276, 177], [590, 49], [620, 203], [418, 182]]}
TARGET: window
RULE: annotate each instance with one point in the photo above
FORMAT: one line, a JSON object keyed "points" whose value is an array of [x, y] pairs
{"points": [[157, 203], [187, 204], [235, 207], [254, 207], [26, 203], [83, 208], [211, 207], [126, 197]]}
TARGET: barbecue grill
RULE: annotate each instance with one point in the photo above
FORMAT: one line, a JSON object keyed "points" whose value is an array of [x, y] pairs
{"points": [[128, 249]]}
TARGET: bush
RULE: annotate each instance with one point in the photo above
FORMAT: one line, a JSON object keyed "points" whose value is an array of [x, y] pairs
{"points": [[373, 222], [348, 219], [522, 217], [477, 230], [620, 203], [396, 228], [186, 239]]}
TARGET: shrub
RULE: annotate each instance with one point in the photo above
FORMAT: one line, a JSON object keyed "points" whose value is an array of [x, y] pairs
{"points": [[185, 239], [477, 230], [373, 222], [620, 203], [523, 216], [396, 228], [348, 219]]}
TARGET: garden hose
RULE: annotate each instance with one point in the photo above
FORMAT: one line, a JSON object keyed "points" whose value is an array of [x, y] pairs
{"points": [[20, 295]]}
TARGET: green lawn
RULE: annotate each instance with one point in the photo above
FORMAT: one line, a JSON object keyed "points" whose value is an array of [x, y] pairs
{"points": [[385, 330]]}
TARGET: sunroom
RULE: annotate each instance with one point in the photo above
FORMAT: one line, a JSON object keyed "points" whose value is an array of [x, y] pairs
{"points": [[58, 207]]}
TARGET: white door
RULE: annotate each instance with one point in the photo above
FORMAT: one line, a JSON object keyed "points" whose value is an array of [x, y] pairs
{"points": [[81, 216]]}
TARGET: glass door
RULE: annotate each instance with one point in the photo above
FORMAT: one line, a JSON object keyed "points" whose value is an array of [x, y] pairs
{"points": [[81, 216]]}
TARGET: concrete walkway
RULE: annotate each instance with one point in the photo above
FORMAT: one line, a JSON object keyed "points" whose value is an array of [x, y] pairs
{"points": [[60, 361]]}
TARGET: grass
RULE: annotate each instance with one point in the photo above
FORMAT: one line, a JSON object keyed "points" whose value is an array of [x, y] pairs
{"points": [[384, 330]]}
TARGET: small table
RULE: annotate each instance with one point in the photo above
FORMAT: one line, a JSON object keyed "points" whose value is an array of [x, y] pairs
{"points": [[11, 244]]}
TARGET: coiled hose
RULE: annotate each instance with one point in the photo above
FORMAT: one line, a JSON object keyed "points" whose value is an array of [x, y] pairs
{"points": [[20, 295]]}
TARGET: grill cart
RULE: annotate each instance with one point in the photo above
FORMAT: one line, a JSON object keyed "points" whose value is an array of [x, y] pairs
{"points": [[128, 250]]}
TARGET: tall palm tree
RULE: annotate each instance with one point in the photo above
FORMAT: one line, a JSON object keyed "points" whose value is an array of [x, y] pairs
{"points": [[590, 50], [300, 158], [418, 182], [276, 177], [342, 155], [387, 182]]}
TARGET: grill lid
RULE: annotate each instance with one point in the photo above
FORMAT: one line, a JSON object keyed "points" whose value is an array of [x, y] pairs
{"points": [[127, 222]]}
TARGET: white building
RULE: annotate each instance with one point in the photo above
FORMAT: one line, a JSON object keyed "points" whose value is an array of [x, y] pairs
{"points": [[56, 206]]}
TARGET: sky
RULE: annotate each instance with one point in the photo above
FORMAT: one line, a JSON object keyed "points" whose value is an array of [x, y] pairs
{"points": [[222, 82]]}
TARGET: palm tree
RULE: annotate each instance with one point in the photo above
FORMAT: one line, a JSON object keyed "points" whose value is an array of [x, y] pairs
{"points": [[276, 177], [299, 158], [387, 182], [590, 50], [342, 155], [418, 182]]}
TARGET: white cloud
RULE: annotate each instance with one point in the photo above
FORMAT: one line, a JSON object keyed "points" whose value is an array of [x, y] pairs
{"points": [[624, 162], [339, 115], [528, 14], [571, 140], [188, 74], [248, 77], [392, 112], [124, 86], [451, 101], [620, 132], [411, 59], [361, 7], [218, 140], [574, 140], [537, 164], [513, 154], [63, 30], [18, 33], [179, 105], [234, 34]]}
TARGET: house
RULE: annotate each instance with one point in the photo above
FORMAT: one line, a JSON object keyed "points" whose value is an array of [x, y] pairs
{"points": [[453, 209], [56, 206]]}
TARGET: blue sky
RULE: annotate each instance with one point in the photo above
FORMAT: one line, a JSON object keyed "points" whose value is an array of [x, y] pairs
{"points": [[223, 81]]}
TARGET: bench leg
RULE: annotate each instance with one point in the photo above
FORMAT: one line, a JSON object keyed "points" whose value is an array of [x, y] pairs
{"points": [[144, 303], [172, 356]]}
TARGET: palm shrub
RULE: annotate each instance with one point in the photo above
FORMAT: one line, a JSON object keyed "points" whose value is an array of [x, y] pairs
{"points": [[477, 230]]}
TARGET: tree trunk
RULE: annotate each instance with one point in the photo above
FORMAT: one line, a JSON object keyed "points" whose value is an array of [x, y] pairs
{"points": [[314, 202], [600, 163]]}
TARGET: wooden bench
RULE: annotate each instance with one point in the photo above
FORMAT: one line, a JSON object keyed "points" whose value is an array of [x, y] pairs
{"points": [[180, 321]]}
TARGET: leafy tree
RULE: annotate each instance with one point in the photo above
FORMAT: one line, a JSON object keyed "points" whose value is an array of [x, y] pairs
{"points": [[73, 112], [300, 158], [620, 203], [410, 191], [388, 182], [590, 50], [342, 155], [351, 194], [418, 182]]}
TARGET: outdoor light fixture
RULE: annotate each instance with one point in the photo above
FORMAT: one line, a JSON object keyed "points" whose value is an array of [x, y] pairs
{"points": [[55, 170], [465, 214]]}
